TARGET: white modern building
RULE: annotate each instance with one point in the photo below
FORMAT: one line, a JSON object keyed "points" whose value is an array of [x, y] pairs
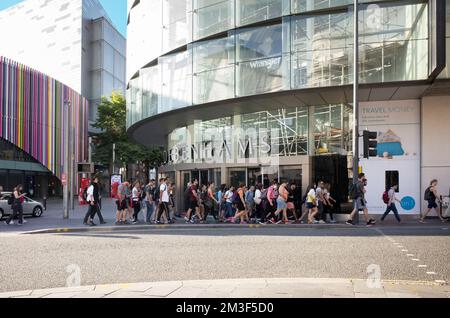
{"points": [[250, 91], [73, 41]]}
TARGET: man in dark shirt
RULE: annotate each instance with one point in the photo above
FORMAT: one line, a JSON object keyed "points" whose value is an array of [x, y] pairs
{"points": [[359, 202]]}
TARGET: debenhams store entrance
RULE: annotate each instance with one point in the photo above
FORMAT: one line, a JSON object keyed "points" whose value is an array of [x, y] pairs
{"points": [[300, 144]]}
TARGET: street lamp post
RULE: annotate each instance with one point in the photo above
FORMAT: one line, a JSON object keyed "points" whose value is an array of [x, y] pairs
{"points": [[67, 157], [356, 96]]}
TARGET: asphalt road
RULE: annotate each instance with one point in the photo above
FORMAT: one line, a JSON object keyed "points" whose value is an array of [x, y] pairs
{"points": [[41, 261]]}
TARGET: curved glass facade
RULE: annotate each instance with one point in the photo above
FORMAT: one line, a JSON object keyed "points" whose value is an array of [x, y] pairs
{"points": [[225, 49]]}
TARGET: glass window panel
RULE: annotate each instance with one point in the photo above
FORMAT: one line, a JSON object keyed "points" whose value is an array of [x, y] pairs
{"points": [[151, 90], [259, 43], [213, 16], [251, 11], [213, 85], [262, 76], [213, 70], [321, 50], [176, 81], [395, 43], [177, 24], [213, 54], [298, 6]]}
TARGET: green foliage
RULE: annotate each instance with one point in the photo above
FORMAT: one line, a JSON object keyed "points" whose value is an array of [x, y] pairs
{"points": [[111, 121]]}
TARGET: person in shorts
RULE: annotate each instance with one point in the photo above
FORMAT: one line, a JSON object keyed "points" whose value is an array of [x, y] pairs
{"points": [[122, 204], [431, 195]]}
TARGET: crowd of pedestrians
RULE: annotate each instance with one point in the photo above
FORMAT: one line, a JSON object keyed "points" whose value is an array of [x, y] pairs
{"points": [[278, 203]]}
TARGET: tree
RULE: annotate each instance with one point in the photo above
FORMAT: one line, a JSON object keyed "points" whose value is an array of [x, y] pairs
{"points": [[111, 121]]}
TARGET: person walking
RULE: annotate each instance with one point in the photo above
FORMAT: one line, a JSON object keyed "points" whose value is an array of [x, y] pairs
{"points": [[357, 193], [229, 203], [17, 206], [258, 203], [328, 203], [136, 201], [97, 199], [164, 204], [122, 204], [311, 205], [431, 196], [172, 205], [193, 203], [241, 207], [283, 195], [221, 202], [390, 199], [271, 200], [320, 202], [293, 201], [150, 200], [250, 203], [211, 202]]}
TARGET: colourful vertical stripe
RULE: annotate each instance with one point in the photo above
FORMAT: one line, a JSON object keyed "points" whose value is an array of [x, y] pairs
{"points": [[32, 113]]}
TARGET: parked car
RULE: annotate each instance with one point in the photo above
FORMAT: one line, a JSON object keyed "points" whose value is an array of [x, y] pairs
{"points": [[30, 207]]}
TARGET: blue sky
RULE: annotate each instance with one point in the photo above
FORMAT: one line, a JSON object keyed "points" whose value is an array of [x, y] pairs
{"points": [[116, 9]]}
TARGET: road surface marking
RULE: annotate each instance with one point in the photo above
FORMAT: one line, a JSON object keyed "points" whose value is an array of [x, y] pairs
{"points": [[423, 266], [431, 273]]}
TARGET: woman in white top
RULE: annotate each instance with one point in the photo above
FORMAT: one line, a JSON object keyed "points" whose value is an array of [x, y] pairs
{"points": [[311, 205], [136, 197]]}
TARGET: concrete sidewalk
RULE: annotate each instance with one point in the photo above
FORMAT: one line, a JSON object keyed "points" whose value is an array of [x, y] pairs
{"points": [[248, 288]]}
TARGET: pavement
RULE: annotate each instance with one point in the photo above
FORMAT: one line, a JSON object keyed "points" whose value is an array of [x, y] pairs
{"points": [[248, 288]]}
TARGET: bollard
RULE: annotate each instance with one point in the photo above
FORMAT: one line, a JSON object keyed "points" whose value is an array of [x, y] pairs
{"points": [[45, 203]]}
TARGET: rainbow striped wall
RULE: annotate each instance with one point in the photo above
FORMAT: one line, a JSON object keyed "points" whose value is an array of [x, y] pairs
{"points": [[32, 113]]}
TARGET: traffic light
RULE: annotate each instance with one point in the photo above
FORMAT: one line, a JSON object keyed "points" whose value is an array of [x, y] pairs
{"points": [[370, 143]]}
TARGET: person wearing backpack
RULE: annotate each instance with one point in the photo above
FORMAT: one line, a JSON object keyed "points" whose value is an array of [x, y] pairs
{"points": [[17, 206], [389, 199], [357, 193], [431, 195], [93, 196]]}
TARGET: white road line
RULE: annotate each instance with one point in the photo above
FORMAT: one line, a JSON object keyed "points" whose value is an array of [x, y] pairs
{"points": [[440, 281], [423, 266], [415, 259], [431, 273], [404, 250], [410, 255]]}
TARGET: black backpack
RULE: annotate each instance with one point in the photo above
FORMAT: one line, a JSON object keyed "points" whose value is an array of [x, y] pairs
{"points": [[427, 196], [11, 199], [353, 191]]}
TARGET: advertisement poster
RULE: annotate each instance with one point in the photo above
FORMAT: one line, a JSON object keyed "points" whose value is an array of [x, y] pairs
{"points": [[397, 124]]}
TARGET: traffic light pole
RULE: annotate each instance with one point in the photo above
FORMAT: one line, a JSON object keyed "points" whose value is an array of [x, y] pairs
{"points": [[356, 97]]}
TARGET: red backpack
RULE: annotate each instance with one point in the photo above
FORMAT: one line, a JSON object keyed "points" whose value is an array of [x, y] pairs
{"points": [[386, 197]]}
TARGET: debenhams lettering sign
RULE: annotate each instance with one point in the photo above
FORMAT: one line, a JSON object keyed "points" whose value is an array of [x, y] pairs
{"points": [[219, 151]]}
